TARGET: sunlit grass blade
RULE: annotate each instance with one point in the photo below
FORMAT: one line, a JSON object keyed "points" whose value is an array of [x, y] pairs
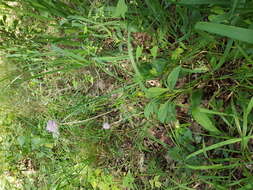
{"points": [[111, 59], [132, 60], [210, 167], [67, 53]]}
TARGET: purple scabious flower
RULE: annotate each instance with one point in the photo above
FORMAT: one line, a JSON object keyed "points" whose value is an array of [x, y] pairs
{"points": [[106, 125], [52, 127]]}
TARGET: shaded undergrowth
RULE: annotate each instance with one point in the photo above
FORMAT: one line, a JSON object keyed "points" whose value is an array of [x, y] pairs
{"points": [[173, 79]]}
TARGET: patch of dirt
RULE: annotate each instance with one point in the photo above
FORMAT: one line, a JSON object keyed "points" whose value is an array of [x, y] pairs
{"points": [[141, 39], [27, 166], [161, 133], [182, 111], [108, 44]]}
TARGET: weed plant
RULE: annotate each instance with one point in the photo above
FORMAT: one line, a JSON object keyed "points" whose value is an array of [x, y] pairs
{"points": [[140, 94]]}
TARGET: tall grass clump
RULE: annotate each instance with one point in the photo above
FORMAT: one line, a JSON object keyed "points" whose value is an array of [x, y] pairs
{"points": [[153, 94]]}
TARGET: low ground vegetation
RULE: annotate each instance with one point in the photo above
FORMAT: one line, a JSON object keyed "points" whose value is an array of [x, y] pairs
{"points": [[113, 95]]}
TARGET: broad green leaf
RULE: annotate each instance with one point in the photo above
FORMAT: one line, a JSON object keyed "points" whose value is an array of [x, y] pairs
{"points": [[154, 51], [139, 50], [21, 140], [237, 33], [204, 120], [167, 112], [121, 9], [176, 54], [37, 142], [154, 92], [159, 65], [196, 98], [172, 78], [152, 107]]}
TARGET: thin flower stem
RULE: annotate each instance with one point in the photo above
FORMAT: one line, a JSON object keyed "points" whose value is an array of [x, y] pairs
{"points": [[86, 120]]}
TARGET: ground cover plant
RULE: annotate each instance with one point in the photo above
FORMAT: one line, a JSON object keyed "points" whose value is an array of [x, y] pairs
{"points": [[140, 94]]}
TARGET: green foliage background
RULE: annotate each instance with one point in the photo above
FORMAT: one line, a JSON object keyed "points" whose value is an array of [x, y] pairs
{"points": [[173, 78]]}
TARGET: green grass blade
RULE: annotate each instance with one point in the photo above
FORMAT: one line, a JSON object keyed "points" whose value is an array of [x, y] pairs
{"points": [[225, 55], [235, 4], [111, 59], [214, 166], [179, 185], [203, 2], [157, 10], [245, 116], [245, 122], [243, 52], [236, 118], [134, 65], [70, 54], [213, 112], [217, 145], [237, 33]]}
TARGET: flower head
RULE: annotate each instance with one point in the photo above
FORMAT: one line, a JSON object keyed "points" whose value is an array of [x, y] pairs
{"points": [[106, 126], [52, 127]]}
